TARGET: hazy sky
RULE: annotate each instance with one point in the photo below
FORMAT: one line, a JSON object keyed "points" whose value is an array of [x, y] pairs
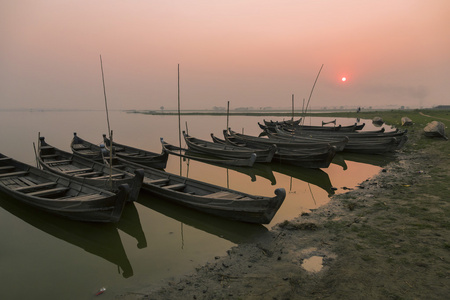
{"points": [[250, 52]]}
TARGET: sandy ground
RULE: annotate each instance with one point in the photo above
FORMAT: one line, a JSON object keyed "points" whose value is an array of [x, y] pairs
{"points": [[388, 239]]}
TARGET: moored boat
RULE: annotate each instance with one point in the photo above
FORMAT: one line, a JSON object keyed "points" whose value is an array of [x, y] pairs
{"points": [[208, 198], [228, 151], [292, 154], [254, 141], [136, 155], [177, 151], [86, 149], [87, 171], [361, 142], [59, 195]]}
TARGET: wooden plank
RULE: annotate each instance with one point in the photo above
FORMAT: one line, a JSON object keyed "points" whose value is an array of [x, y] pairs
{"points": [[49, 156], [26, 180], [18, 173], [62, 161], [176, 187], [88, 197], [129, 154], [107, 176], [88, 174], [36, 186], [77, 170], [5, 158], [224, 195], [158, 181], [17, 181], [7, 168], [49, 192]]}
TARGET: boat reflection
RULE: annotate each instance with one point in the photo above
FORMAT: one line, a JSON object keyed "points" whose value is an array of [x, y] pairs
{"points": [[370, 159], [102, 240], [316, 177], [258, 169], [130, 223], [233, 231]]}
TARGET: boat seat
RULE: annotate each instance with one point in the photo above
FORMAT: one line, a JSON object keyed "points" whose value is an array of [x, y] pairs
{"points": [[77, 170], [88, 197], [120, 175], [7, 168], [89, 174], [49, 156], [62, 161], [18, 173], [49, 192], [158, 181], [176, 187], [225, 195], [36, 186], [130, 154]]}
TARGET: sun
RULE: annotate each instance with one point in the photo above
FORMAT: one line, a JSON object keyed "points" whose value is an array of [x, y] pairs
{"points": [[344, 79]]}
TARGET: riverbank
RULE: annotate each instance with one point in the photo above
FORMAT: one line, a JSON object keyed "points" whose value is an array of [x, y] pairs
{"points": [[388, 239]]}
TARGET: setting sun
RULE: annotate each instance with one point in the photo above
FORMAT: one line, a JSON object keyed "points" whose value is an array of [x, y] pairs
{"points": [[344, 79]]}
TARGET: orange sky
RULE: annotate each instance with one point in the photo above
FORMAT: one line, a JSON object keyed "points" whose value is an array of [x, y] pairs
{"points": [[251, 53]]}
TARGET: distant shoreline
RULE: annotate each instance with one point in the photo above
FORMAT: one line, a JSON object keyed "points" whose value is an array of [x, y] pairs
{"points": [[281, 113]]}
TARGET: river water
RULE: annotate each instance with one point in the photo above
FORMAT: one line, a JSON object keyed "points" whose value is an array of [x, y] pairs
{"points": [[46, 257]]}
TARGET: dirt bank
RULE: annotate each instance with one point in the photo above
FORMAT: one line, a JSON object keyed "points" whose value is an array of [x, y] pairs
{"points": [[388, 239]]}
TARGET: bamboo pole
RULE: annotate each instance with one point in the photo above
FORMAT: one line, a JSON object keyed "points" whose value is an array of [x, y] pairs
{"points": [[309, 99], [104, 93], [107, 120], [179, 119], [292, 108], [228, 114]]}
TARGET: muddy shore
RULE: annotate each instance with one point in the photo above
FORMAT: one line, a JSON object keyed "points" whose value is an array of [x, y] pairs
{"points": [[387, 239]]}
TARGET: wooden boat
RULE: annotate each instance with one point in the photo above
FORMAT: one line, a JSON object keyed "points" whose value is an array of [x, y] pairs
{"points": [[240, 162], [297, 156], [348, 128], [260, 170], [140, 156], [339, 142], [208, 198], [369, 144], [358, 134], [290, 122], [59, 195], [340, 128], [87, 171], [435, 129], [228, 151], [85, 149], [254, 141], [306, 159]]}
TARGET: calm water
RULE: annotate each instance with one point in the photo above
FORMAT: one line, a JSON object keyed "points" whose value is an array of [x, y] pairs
{"points": [[45, 257]]}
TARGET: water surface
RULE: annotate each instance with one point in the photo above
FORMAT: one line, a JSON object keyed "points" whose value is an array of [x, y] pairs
{"points": [[57, 258]]}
